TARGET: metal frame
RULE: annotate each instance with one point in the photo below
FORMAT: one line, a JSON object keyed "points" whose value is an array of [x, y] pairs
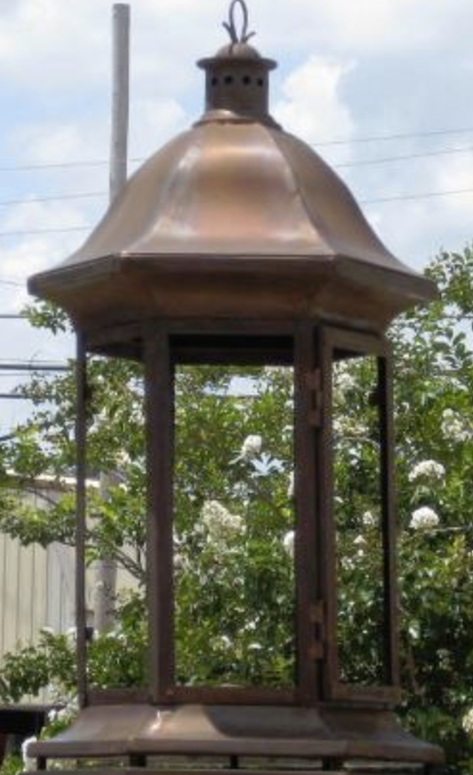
{"points": [[179, 342], [309, 635], [363, 344], [81, 516], [312, 345], [159, 429]]}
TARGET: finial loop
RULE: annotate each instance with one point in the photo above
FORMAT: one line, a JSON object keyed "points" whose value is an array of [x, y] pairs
{"points": [[230, 26]]}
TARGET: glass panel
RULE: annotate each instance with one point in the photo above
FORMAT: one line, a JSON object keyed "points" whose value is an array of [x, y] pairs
{"points": [[358, 508], [233, 526], [116, 522]]}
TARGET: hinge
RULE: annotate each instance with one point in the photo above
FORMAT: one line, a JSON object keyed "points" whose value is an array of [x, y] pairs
{"points": [[314, 384], [317, 619]]}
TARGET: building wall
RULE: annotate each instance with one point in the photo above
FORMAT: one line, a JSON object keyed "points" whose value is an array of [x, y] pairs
{"points": [[36, 590], [37, 586]]}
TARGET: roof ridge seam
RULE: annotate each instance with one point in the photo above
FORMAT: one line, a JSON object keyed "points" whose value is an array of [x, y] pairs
{"points": [[314, 225]]}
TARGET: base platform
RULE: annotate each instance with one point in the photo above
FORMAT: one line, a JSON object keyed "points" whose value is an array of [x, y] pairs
{"points": [[245, 736]]}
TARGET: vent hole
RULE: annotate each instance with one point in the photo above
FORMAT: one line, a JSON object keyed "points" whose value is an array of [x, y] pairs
{"points": [[228, 79], [260, 82], [214, 81], [246, 80]]}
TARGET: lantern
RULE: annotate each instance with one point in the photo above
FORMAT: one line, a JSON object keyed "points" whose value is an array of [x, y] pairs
{"points": [[237, 247]]}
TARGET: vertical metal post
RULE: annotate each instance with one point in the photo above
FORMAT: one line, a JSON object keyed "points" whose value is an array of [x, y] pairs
{"points": [[305, 497], [120, 97], [81, 516], [160, 444], [325, 522], [388, 490]]}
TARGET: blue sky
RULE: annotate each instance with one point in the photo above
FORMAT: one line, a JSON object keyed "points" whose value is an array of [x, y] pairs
{"points": [[347, 71]]}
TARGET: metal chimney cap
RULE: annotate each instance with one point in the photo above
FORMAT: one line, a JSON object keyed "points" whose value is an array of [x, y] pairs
{"points": [[237, 77], [238, 48]]}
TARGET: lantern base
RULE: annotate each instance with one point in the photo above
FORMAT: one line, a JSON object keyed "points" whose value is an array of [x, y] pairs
{"points": [[318, 738]]}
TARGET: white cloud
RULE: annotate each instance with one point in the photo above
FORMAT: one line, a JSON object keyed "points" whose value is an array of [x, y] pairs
{"points": [[365, 27], [30, 253], [58, 141], [71, 40], [417, 229], [311, 106], [65, 38], [154, 122]]}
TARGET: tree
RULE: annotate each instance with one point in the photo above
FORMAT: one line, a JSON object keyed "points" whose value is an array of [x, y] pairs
{"points": [[235, 516]]}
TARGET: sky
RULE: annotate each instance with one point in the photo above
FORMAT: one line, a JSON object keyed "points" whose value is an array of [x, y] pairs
{"points": [[382, 89]]}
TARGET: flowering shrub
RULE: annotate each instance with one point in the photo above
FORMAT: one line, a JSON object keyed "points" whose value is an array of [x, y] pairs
{"points": [[424, 517], [427, 469], [234, 520], [467, 722]]}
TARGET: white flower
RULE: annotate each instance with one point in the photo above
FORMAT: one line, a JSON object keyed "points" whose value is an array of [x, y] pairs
{"points": [[427, 469], [123, 458], [359, 541], [288, 542], [72, 705], [423, 518], [251, 447], [453, 426], [290, 486], [47, 630], [369, 519], [344, 378], [220, 523], [414, 631], [180, 561], [444, 657], [64, 713], [29, 763], [467, 722]]}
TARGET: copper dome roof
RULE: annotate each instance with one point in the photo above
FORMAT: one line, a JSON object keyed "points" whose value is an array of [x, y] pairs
{"points": [[234, 217]]}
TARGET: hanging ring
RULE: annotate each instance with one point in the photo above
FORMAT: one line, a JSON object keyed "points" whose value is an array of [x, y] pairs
{"points": [[231, 27]]}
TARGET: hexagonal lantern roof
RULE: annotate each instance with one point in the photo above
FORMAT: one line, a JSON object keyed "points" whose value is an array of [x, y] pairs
{"points": [[234, 218]]}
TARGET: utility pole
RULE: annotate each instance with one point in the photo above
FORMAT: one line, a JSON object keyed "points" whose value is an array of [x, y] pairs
{"points": [[106, 569], [120, 98]]}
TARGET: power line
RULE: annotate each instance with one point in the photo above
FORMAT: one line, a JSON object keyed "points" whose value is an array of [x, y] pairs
{"points": [[341, 165], [25, 232], [398, 136], [408, 197], [32, 360], [394, 198], [11, 374], [59, 165], [321, 143], [57, 197], [15, 283], [21, 366], [406, 157]]}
